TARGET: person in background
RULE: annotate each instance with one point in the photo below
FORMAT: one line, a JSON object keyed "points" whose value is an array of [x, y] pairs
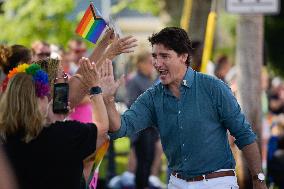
{"points": [[5, 52], [222, 67], [276, 164], [277, 130], [76, 50], [193, 113], [41, 50], [276, 96], [146, 150], [11, 57]]}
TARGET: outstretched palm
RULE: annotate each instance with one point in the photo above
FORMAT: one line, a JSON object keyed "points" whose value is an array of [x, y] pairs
{"points": [[107, 82]]}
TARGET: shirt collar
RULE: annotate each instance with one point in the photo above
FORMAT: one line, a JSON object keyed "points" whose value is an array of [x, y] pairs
{"points": [[187, 79]]}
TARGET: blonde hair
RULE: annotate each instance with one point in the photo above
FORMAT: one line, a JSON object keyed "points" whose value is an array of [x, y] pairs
{"points": [[142, 57], [19, 108], [5, 53]]}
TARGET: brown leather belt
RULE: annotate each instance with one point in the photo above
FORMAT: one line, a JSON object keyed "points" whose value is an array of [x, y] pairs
{"points": [[207, 176]]}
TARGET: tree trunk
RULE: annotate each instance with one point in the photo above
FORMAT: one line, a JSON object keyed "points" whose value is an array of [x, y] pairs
{"points": [[199, 14], [198, 21], [249, 61]]}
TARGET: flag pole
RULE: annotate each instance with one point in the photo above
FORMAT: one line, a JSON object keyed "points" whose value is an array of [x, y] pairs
{"points": [[209, 36], [94, 12], [186, 15], [92, 9]]}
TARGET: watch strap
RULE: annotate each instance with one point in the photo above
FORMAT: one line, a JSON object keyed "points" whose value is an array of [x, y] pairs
{"points": [[256, 177], [95, 90]]}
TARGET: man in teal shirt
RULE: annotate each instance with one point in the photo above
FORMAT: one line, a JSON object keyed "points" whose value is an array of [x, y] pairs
{"points": [[192, 112]]}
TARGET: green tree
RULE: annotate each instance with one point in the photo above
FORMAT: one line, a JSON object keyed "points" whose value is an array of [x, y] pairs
{"points": [[145, 6], [274, 27], [25, 21]]}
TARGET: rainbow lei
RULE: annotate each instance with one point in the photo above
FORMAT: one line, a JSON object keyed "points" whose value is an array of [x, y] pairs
{"points": [[40, 77]]}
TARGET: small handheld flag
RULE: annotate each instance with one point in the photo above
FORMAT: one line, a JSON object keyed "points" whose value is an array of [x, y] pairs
{"points": [[91, 25], [94, 175]]}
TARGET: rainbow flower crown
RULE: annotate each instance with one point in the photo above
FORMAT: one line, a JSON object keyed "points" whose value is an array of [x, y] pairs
{"points": [[40, 77]]}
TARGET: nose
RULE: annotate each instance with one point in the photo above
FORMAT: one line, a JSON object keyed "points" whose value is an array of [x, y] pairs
{"points": [[157, 62]]}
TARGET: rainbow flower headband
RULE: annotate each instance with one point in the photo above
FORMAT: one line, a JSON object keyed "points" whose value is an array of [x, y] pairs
{"points": [[40, 77]]}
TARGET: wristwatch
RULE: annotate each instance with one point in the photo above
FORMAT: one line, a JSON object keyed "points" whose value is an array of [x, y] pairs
{"points": [[95, 90], [259, 176]]}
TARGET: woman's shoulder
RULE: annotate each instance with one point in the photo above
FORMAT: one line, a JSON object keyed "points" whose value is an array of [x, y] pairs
{"points": [[70, 126]]}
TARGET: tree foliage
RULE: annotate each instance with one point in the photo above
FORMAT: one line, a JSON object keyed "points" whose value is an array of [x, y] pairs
{"points": [[274, 27], [25, 21], [145, 6]]}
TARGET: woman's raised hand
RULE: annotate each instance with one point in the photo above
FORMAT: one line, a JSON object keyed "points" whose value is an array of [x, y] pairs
{"points": [[89, 73]]}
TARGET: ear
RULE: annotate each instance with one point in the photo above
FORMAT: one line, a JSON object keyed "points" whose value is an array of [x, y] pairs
{"points": [[184, 57]]}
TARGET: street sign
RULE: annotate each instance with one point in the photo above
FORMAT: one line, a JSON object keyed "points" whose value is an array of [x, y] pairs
{"points": [[253, 6]]}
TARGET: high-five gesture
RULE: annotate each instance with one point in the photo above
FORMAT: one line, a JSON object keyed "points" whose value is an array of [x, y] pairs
{"points": [[121, 45], [89, 73], [107, 82]]}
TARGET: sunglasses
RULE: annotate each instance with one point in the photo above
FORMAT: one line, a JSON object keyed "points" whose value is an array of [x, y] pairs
{"points": [[42, 54], [79, 50]]}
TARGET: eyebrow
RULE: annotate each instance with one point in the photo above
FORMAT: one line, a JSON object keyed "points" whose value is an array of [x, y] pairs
{"points": [[154, 54], [164, 54]]}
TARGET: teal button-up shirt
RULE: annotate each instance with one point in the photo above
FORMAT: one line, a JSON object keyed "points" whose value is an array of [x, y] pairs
{"points": [[193, 128]]}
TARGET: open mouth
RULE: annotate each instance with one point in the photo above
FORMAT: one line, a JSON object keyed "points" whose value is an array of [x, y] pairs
{"points": [[163, 72]]}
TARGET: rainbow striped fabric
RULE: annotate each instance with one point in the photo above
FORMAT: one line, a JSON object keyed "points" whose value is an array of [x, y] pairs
{"points": [[94, 175], [91, 25]]}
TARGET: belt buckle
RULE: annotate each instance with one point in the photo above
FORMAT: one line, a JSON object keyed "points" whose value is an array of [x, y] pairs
{"points": [[204, 177], [175, 174]]}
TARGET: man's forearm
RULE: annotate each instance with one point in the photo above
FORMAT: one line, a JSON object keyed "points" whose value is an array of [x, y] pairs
{"points": [[113, 114], [252, 155]]}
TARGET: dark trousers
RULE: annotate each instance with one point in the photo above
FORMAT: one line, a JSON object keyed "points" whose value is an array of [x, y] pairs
{"points": [[144, 146]]}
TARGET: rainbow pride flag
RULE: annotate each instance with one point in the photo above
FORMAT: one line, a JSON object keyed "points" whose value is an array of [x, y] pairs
{"points": [[91, 25], [94, 175]]}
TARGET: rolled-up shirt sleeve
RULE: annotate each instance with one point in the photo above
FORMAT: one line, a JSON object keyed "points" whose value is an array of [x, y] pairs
{"points": [[138, 117], [231, 116]]}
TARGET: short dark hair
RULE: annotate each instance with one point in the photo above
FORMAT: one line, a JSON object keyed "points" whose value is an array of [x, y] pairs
{"points": [[173, 38]]}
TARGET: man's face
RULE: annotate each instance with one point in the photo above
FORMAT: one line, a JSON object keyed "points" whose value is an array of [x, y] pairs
{"points": [[42, 52], [77, 51], [170, 66]]}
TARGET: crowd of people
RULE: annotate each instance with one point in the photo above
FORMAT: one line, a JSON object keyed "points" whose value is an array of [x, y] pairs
{"points": [[172, 108]]}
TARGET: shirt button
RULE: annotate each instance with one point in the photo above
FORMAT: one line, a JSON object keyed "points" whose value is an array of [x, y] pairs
{"points": [[183, 145], [185, 159], [181, 127]]}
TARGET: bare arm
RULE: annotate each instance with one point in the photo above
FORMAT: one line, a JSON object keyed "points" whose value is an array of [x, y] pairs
{"points": [[252, 155], [100, 118], [117, 47], [77, 90], [113, 114], [99, 110], [7, 180], [109, 88]]}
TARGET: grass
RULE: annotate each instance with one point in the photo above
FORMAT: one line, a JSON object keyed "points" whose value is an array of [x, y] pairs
{"points": [[122, 146]]}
